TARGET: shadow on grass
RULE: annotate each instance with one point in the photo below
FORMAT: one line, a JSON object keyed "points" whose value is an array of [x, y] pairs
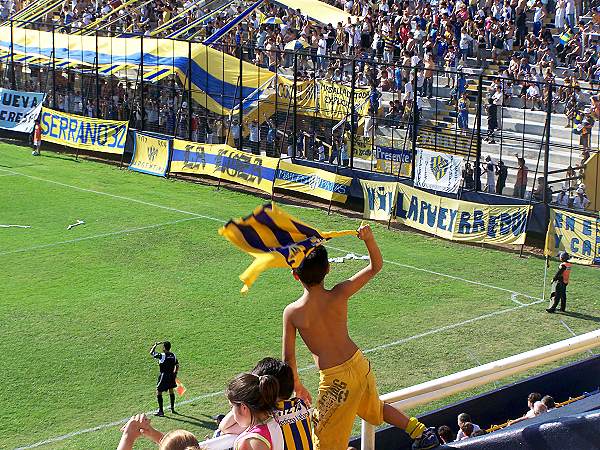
{"points": [[581, 316], [209, 424]]}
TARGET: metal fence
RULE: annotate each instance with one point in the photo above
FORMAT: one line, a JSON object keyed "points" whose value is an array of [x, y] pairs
{"points": [[454, 110]]}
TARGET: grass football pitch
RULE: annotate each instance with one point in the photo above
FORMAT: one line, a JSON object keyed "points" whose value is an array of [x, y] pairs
{"points": [[80, 308]]}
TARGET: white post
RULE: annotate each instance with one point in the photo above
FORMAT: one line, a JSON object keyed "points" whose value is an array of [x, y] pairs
{"points": [[367, 433]]}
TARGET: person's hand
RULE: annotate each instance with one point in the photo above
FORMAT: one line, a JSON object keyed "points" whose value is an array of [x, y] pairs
{"points": [[303, 394], [365, 233], [136, 426]]}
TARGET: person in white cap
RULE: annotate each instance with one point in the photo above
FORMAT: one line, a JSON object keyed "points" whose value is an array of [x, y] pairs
{"points": [[581, 201], [562, 198]]}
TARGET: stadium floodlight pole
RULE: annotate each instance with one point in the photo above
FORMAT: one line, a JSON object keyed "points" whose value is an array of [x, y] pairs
{"points": [[477, 171], [353, 124], [415, 124], [295, 107]]}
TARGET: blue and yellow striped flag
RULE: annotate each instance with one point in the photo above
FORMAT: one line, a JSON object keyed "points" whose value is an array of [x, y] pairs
{"points": [[274, 239]]}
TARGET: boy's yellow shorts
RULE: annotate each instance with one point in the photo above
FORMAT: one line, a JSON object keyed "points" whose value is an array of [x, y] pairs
{"points": [[345, 391]]}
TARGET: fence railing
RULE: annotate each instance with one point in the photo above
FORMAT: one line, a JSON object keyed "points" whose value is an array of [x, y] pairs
{"points": [[379, 110], [467, 379]]}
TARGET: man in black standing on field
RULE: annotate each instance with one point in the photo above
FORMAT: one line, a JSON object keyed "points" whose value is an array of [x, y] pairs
{"points": [[168, 366]]}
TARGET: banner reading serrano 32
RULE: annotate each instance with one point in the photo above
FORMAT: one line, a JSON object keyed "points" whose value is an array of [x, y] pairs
{"points": [[311, 181], [150, 154], [225, 162], [18, 110], [576, 234], [98, 135], [458, 220]]}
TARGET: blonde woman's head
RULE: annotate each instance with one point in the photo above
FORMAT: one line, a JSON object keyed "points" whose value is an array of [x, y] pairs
{"points": [[179, 440]]}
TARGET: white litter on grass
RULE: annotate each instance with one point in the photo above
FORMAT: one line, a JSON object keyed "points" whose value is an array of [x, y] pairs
{"points": [[348, 257], [79, 222], [15, 226]]}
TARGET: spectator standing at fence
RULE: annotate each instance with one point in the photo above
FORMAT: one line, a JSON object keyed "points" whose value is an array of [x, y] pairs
{"points": [[462, 419], [168, 366], [254, 137], [347, 385], [521, 181], [562, 198], [531, 399], [235, 132], [502, 173], [490, 178], [492, 121], [581, 201], [463, 113]]}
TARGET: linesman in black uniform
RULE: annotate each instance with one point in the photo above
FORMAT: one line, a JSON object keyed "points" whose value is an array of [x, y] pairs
{"points": [[168, 366]]}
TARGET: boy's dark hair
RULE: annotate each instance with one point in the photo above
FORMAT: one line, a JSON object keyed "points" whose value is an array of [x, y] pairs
{"points": [[313, 268], [167, 346], [479, 432], [445, 433], [280, 370], [534, 397]]}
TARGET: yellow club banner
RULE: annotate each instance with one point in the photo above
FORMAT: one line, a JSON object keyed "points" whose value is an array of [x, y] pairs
{"points": [[312, 181], [334, 100], [107, 136], [379, 198], [459, 220], [224, 162], [577, 234], [305, 94], [150, 154], [363, 146]]}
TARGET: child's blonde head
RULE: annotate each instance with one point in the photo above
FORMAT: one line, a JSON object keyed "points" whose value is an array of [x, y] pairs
{"points": [[179, 440]]}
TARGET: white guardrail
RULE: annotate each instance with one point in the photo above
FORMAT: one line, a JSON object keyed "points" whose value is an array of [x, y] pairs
{"points": [[460, 381], [477, 376]]}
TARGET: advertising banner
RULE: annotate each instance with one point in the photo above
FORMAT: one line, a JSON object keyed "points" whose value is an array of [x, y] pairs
{"points": [[438, 171], [576, 234], [107, 136], [150, 154], [311, 181], [18, 110], [379, 198], [224, 162], [458, 220]]}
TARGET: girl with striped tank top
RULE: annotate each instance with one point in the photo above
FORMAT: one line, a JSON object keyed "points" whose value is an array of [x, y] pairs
{"points": [[252, 400]]}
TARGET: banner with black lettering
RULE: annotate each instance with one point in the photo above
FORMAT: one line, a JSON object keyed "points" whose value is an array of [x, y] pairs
{"points": [[225, 162], [379, 198], [335, 100], [577, 234], [19, 110], [107, 136], [438, 171], [458, 220], [150, 154]]}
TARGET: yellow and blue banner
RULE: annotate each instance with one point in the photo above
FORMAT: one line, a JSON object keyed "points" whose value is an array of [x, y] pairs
{"points": [[214, 75], [224, 162], [19, 110], [379, 199], [150, 154], [395, 161], [458, 220], [107, 136], [275, 239], [312, 181], [334, 100], [576, 234]]}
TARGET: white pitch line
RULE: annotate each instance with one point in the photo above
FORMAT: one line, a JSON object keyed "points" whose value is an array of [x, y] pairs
{"points": [[9, 174], [303, 369], [453, 277], [96, 236], [513, 297], [573, 333], [135, 200]]}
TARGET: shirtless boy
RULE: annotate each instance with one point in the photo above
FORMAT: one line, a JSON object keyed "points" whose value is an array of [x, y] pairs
{"points": [[347, 385]]}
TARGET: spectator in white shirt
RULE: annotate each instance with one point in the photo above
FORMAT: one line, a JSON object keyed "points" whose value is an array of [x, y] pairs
{"points": [[562, 198], [581, 201], [464, 418]]}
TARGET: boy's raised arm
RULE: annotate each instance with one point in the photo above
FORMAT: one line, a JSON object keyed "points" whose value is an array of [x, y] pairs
{"points": [[289, 354], [355, 283]]}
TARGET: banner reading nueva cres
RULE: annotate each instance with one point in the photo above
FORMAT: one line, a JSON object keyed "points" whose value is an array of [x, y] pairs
{"points": [[18, 110]]}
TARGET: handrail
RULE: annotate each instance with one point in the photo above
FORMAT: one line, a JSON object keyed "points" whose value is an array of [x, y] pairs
{"points": [[467, 379]]}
